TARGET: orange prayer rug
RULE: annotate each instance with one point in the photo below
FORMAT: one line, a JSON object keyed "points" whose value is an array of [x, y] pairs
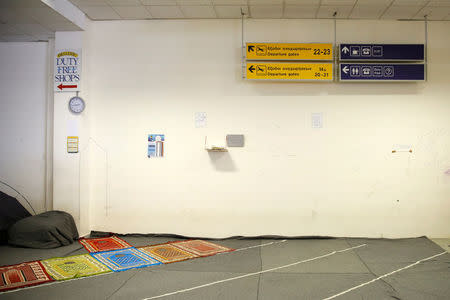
{"points": [[201, 248], [22, 275], [104, 244], [167, 253]]}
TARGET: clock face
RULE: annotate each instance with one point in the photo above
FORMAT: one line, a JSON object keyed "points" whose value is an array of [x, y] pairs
{"points": [[76, 105]]}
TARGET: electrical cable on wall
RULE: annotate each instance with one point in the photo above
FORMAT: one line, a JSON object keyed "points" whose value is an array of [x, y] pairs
{"points": [[20, 195], [335, 51], [107, 177]]}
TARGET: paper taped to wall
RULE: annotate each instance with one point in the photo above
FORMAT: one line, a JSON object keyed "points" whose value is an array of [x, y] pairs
{"points": [[317, 120], [200, 119]]}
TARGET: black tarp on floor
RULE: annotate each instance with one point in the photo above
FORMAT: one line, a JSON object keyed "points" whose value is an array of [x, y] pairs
{"points": [[320, 278]]}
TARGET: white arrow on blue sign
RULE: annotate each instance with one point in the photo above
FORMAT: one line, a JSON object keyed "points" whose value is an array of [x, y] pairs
{"points": [[380, 52]]}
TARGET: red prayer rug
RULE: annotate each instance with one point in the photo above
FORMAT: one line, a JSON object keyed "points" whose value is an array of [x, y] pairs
{"points": [[104, 244], [22, 275], [201, 248], [167, 253]]}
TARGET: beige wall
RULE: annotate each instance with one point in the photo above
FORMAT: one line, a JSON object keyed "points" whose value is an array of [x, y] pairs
{"points": [[23, 110], [71, 171], [289, 179]]}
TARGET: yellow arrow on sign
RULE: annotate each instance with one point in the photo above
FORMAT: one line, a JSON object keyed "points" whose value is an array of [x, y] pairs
{"points": [[289, 51], [290, 71]]}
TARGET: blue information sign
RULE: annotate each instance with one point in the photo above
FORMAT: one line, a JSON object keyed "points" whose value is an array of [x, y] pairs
{"points": [[381, 72], [406, 52]]}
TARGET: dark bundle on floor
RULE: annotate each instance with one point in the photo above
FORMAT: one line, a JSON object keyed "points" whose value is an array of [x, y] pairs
{"points": [[11, 211], [51, 229]]}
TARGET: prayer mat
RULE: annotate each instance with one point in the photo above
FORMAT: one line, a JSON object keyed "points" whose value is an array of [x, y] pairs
{"points": [[63, 268], [22, 275], [167, 253], [104, 244], [121, 260], [201, 248]]}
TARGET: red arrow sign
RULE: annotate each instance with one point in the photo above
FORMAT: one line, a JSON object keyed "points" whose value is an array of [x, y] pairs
{"points": [[61, 86]]}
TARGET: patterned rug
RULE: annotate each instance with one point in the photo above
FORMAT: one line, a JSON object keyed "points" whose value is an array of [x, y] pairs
{"points": [[167, 253], [104, 244], [201, 248], [121, 260], [63, 268], [22, 275]]}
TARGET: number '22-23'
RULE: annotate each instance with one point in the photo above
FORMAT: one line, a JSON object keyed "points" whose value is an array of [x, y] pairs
{"points": [[322, 52]]}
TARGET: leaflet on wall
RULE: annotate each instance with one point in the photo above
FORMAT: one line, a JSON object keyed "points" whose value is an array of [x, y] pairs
{"points": [[67, 73], [155, 145], [72, 144]]}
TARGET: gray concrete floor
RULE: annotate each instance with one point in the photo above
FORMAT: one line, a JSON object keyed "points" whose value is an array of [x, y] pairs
{"points": [[327, 275]]}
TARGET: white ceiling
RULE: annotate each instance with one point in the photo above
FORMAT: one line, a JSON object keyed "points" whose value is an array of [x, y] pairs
{"points": [[225, 9], [30, 20]]}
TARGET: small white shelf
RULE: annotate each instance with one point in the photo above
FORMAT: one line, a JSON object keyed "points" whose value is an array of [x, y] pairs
{"points": [[214, 148], [217, 149]]}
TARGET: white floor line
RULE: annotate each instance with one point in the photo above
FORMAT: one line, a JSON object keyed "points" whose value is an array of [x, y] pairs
{"points": [[69, 280], [262, 245], [385, 275], [252, 274]]}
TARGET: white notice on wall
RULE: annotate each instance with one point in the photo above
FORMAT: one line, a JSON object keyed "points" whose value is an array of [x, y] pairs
{"points": [[200, 119], [317, 120], [72, 127], [67, 75]]}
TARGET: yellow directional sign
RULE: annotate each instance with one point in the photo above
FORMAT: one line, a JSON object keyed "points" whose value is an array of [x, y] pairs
{"points": [[290, 71], [289, 51]]}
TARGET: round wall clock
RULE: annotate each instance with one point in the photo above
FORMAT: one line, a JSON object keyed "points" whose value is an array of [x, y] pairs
{"points": [[76, 105]]}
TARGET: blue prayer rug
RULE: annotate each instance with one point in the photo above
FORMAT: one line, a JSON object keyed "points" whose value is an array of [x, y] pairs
{"points": [[125, 259]]}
